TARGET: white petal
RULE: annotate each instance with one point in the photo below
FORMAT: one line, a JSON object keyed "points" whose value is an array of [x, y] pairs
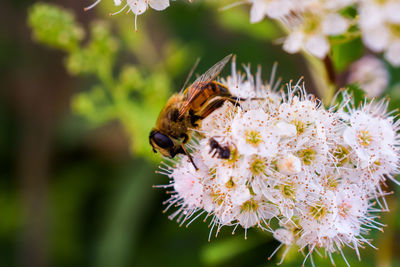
{"points": [[159, 4], [393, 54], [284, 236], [285, 129], [317, 45], [278, 8], [371, 15], [392, 12], [257, 12], [334, 24], [117, 2], [137, 6], [293, 42], [376, 38]]}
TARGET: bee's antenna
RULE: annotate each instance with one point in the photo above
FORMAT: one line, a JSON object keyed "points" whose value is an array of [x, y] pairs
{"points": [[190, 157], [190, 74]]}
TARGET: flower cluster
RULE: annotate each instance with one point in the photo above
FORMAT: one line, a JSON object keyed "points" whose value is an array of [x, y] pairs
{"points": [[282, 162], [311, 23]]}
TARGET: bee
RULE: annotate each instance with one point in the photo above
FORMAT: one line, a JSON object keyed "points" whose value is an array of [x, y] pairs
{"points": [[184, 112]]}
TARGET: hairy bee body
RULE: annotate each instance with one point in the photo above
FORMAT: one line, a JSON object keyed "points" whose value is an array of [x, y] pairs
{"points": [[170, 122], [184, 112]]}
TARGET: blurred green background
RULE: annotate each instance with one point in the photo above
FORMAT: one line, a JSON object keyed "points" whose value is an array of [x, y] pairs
{"points": [[80, 92]]}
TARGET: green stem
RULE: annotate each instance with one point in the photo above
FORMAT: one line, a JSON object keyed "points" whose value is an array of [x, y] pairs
{"points": [[324, 76]]}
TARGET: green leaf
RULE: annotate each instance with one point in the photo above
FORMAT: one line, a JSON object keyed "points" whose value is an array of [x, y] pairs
{"points": [[216, 253], [344, 53]]}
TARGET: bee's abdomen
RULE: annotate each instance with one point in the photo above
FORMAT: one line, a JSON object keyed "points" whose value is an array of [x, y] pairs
{"points": [[219, 89]]}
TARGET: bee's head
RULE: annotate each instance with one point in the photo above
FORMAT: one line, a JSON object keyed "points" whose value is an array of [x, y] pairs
{"points": [[164, 144]]}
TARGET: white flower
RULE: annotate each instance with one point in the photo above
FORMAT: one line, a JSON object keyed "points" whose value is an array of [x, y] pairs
{"points": [[284, 236], [315, 44], [307, 174], [256, 211], [137, 7], [140, 6], [271, 8], [370, 74], [252, 132], [352, 205], [379, 22], [187, 183], [289, 164], [334, 24], [371, 137], [310, 25], [393, 52]]}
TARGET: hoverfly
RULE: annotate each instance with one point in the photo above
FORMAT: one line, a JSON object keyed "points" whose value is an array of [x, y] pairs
{"points": [[185, 110]]}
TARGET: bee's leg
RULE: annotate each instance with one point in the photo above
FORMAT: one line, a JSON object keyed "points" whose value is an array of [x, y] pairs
{"points": [[194, 118], [185, 138], [189, 156], [235, 99]]}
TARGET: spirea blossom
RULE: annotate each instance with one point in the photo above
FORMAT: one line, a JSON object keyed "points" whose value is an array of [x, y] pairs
{"points": [[309, 175], [370, 74], [137, 7], [311, 23], [380, 26]]}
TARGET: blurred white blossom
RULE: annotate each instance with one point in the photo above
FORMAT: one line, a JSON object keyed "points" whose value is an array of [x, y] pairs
{"points": [[309, 175], [137, 7], [310, 23], [380, 25], [370, 74]]}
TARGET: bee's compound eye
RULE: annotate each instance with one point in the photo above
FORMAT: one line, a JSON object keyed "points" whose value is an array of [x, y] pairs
{"points": [[162, 140]]}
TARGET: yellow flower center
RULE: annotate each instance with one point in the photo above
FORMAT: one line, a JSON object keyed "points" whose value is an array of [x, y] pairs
{"points": [[258, 166], [300, 127], [341, 155], [375, 166], [249, 205], [395, 29], [312, 22], [217, 198], [331, 182], [307, 155], [234, 156], [364, 138], [318, 211], [230, 183], [288, 191], [253, 137]]}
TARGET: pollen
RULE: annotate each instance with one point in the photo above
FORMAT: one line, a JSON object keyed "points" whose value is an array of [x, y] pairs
{"points": [[364, 138], [258, 166], [300, 127], [253, 137], [307, 155], [249, 206], [318, 211], [230, 184], [288, 191], [341, 155]]}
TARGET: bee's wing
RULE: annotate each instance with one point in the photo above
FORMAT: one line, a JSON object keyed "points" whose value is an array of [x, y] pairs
{"points": [[198, 85]]}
